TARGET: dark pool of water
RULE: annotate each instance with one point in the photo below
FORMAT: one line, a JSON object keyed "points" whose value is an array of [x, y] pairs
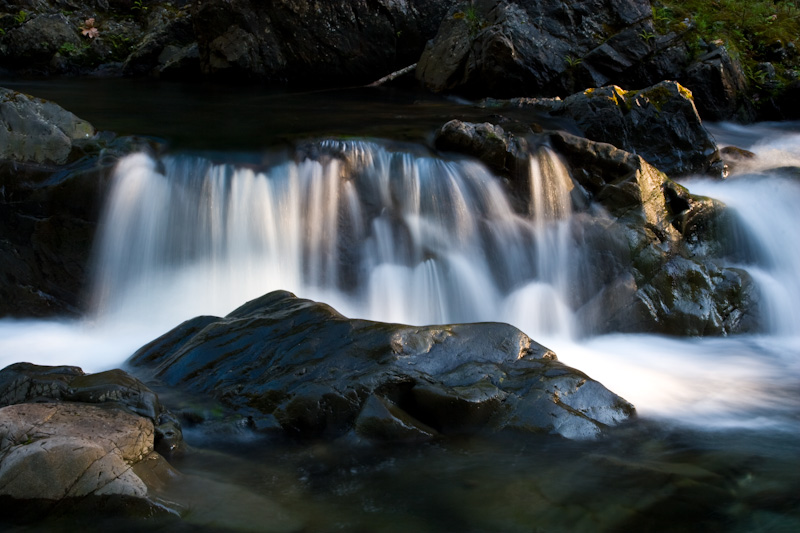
{"points": [[210, 116]]}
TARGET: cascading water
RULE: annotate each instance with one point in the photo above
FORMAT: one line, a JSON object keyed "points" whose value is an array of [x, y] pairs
{"points": [[403, 236], [380, 234]]}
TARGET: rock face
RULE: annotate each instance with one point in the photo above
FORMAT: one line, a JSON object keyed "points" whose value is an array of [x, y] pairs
{"points": [[93, 440], [301, 41], [319, 43], [53, 174], [670, 281], [659, 123], [651, 252], [56, 451], [540, 47], [719, 86], [301, 365]]}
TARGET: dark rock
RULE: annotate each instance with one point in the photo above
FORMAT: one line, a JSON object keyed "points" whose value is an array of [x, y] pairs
{"points": [[502, 152], [719, 87], [507, 48], [168, 44], [670, 281], [315, 43], [37, 40], [321, 374], [659, 123], [54, 170]]}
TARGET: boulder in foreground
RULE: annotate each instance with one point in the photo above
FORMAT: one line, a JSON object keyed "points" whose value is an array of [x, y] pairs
{"points": [[299, 364]]}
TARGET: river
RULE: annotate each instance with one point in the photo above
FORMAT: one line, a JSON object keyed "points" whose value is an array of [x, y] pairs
{"points": [[229, 214]]}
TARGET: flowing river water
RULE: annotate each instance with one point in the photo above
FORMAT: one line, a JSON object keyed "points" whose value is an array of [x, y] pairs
{"points": [[389, 231]]}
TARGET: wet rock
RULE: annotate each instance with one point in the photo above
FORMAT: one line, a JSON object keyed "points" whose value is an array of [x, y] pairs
{"points": [[659, 123], [54, 170], [321, 374], [671, 280], [502, 152]]}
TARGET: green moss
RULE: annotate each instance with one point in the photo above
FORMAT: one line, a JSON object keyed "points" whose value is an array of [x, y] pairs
{"points": [[749, 29]]}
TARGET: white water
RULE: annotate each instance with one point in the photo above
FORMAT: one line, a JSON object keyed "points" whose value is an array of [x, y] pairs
{"points": [[400, 237]]}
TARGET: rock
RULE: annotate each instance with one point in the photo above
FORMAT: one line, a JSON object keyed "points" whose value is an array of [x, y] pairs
{"points": [[167, 44], [648, 236], [33, 43], [36, 130], [502, 152], [719, 86], [323, 375], [670, 281], [54, 170], [319, 43], [502, 48], [58, 453], [24, 383], [659, 123]]}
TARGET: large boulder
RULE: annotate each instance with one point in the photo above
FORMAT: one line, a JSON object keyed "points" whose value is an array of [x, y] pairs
{"points": [[68, 439], [25, 383], [36, 130], [659, 123], [301, 366], [506, 48], [55, 451], [719, 86]]}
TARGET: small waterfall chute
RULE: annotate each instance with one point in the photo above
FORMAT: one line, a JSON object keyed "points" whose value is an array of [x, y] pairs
{"points": [[388, 235]]}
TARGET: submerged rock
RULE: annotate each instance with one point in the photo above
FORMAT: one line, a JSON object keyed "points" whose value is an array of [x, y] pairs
{"points": [[317, 373]]}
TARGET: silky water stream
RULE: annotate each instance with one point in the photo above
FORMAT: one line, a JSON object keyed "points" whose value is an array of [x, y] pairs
{"points": [[390, 232]]}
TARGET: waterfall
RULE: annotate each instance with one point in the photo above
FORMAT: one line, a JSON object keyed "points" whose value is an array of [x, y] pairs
{"points": [[382, 234]]}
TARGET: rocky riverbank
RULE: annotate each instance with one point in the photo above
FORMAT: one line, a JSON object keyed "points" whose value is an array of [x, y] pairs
{"points": [[498, 48]]}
